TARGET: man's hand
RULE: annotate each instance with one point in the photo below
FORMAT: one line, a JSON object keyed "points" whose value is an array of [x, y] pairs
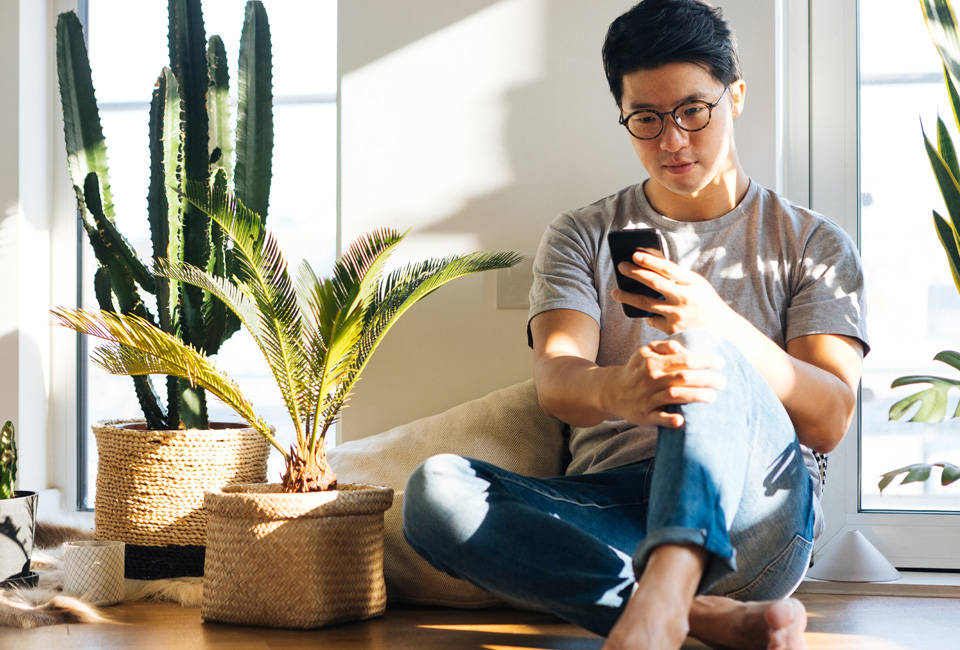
{"points": [[689, 301], [662, 374], [572, 387]]}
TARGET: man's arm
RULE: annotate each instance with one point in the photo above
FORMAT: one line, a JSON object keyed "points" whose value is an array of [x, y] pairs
{"points": [[816, 377], [573, 388]]}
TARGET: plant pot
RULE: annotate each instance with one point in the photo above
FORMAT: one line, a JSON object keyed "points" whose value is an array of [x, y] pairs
{"points": [[150, 487], [18, 518], [294, 560]]}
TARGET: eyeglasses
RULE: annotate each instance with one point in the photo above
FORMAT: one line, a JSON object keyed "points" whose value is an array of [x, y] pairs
{"points": [[647, 124]]}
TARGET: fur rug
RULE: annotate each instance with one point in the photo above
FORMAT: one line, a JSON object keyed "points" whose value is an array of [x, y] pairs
{"points": [[45, 604]]}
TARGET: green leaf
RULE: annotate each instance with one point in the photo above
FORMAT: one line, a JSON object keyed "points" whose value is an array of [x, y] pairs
{"points": [[254, 163], [950, 358], [139, 348], [951, 245], [942, 25], [945, 147], [399, 292], [919, 473], [933, 401], [266, 280], [951, 473], [954, 98], [947, 182]]}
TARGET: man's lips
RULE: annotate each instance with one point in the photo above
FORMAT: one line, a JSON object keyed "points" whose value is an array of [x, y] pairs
{"points": [[678, 167]]}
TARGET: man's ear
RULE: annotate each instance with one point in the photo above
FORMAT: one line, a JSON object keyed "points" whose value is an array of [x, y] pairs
{"points": [[738, 92]]}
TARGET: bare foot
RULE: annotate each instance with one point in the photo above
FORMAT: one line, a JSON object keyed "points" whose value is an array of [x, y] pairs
{"points": [[650, 622], [657, 615], [725, 623], [787, 619]]}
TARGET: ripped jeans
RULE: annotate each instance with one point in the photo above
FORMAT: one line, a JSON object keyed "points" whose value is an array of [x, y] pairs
{"points": [[731, 480]]}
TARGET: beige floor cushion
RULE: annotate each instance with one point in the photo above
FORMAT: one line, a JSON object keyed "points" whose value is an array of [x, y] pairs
{"points": [[506, 427]]}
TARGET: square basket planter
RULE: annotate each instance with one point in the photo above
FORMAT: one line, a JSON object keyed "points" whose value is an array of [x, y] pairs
{"points": [[285, 560]]}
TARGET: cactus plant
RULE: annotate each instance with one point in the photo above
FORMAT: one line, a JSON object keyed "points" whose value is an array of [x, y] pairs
{"points": [[8, 461], [190, 140]]}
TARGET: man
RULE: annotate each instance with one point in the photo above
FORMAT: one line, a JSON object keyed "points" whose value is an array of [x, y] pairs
{"points": [[691, 502]]}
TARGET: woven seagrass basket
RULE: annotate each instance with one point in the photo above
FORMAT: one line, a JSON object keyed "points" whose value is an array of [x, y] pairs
{"points": [[150, 487], [294, 560]]}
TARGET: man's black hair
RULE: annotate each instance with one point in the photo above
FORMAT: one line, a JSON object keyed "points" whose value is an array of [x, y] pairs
{"points": [[656, 32]]}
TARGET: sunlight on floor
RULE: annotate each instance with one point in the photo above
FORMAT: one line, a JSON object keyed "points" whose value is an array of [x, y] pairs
{"points": [[824, 641], [493, 629]]}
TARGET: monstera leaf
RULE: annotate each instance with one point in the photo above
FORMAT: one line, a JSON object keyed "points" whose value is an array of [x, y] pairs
{"points": [[933, 400], [919, 473]]}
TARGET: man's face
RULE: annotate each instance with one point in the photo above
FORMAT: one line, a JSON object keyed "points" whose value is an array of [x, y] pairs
{"points": [[680, 161]]}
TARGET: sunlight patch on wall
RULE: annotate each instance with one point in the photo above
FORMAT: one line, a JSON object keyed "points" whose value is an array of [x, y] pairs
{"points": [[423, 128]]}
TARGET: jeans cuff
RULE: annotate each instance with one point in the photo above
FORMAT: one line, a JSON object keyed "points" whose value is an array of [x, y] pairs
{"points": [[721, 557]]}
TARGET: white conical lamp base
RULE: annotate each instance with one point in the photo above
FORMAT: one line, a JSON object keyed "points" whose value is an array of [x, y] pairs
{"points": [[853, 559]]}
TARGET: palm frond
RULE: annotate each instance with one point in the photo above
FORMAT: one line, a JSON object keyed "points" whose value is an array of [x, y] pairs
{"points": [[339, 307], [232, 295], [138, 348], [265, 275], [396, 294]]}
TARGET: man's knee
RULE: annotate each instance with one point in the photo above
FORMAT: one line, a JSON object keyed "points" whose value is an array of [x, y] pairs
{"points": [[705, 341], [424, 484], [434, 495]]}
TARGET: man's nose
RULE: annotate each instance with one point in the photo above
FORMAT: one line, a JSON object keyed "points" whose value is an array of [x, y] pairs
{"points": [[673, 137]]}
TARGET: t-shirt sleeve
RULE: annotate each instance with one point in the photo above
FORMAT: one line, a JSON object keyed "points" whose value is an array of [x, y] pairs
{"points": [[830, 297], [563, 272]]}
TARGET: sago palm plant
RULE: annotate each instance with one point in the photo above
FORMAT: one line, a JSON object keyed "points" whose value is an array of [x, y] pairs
{"points": [[316, 335]]}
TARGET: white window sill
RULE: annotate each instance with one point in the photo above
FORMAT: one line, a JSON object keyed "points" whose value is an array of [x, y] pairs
{"points": [[912, 583]]}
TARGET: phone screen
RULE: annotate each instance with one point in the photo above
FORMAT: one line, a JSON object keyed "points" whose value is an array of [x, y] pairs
{"points": [[623, 244]]}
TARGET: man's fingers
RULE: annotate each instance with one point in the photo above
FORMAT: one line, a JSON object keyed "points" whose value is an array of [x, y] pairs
{"points": [[667, 346], [684, 395], [660, 266], [672, 356], [667, 419]]}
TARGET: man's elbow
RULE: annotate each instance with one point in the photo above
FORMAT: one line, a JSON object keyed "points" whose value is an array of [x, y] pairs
{"points": [[828, 432]]}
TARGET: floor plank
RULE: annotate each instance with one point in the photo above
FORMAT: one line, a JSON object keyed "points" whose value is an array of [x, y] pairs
{"points": [[836, 623]]}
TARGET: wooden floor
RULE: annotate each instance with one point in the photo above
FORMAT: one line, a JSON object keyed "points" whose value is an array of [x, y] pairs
{"points": [[836, 623]]}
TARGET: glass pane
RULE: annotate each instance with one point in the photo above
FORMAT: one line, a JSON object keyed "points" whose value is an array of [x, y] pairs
{"points": [[128, 49], [127, 52], [913, 304]]}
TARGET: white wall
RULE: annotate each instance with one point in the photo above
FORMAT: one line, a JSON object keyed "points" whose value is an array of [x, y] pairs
{"points": [[473, 123], [37, 250], [24, 253]]}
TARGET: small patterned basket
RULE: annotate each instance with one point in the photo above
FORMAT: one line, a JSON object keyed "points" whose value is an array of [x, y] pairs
{"points": [[150, 487], [294, 560]]}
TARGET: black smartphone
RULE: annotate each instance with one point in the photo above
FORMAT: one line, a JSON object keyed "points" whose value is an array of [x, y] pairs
{"points": [[623, 244]]}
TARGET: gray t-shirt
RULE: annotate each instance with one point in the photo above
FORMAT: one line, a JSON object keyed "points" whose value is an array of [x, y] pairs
{"points": [[789, 271]]}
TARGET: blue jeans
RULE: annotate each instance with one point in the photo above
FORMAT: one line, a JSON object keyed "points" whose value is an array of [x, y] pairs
{"points": [[731, 480]]}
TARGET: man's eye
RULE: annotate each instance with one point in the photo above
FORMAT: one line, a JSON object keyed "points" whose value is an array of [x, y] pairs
{"points": [[690, 111], [648, 118]]}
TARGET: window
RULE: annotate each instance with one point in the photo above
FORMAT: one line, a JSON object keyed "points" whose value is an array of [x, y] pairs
{"points": [[127, 52], [914, 305], [869, 179]]}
